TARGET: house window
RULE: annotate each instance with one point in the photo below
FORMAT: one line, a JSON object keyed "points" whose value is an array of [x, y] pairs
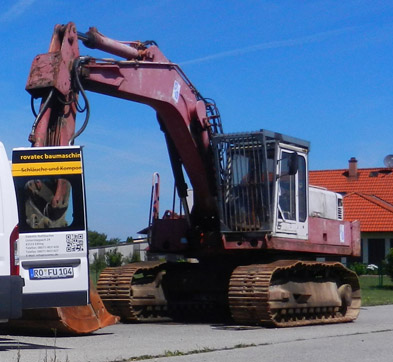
{"points": [[376, 251]]}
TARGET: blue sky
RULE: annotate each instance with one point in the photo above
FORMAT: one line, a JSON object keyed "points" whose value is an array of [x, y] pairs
{"points": [[317, 70]]}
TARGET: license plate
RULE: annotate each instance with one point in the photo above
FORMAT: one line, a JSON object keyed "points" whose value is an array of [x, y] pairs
{"points": [[52, 272]]}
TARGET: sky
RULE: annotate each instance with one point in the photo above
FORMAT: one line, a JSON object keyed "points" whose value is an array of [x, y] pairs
{"points": [[317, 70]]}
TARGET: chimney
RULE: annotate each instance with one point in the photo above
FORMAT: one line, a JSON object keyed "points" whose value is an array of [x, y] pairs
{"points": [[353, 168]]}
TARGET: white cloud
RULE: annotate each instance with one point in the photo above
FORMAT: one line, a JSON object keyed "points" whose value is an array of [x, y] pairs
{"points": [[314, 38], [16, 10]]}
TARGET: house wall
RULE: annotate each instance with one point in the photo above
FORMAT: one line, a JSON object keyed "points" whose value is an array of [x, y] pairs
{"points": [[375, 247]]}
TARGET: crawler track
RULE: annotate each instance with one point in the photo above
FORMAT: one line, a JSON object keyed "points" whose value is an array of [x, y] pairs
{"points": [[253, 294], [119, 289]]}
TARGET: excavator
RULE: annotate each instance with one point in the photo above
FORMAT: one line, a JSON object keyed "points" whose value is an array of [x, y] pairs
{"points": [[249, 230]]}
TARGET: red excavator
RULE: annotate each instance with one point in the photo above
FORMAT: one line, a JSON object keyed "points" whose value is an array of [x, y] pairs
{"points": [[250, 228]]}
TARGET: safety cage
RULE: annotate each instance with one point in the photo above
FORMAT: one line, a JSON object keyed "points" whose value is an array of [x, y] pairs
{"points": [[245, 181]]}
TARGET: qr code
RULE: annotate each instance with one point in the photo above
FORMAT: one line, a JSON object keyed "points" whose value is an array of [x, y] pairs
{"points": [[74, 242]]}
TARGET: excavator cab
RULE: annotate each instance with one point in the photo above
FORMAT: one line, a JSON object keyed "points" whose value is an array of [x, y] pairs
{"points": [[262, 184]]}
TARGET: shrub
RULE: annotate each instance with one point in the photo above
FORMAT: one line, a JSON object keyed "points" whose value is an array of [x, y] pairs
{"points": [[132, 257], [136, 256], [99, 264], [372, 269], [358, 268], [389, 264], [114, 258]]}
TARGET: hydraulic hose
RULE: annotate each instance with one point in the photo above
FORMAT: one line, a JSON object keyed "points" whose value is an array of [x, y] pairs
{"points": [[40, 113], [75, 67]]}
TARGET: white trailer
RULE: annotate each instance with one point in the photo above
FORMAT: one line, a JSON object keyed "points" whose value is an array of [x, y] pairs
{"points": [[11, 283]]}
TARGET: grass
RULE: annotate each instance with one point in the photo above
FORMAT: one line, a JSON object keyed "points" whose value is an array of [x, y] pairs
{"points": [[376, 291], [195, 351]]}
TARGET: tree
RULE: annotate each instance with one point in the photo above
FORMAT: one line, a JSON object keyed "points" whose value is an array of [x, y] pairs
{"points": [[97, 239], [101, 239], [114, 241]]}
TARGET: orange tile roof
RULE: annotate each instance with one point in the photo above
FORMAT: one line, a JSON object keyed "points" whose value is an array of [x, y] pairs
{"points": [[367, 198]]}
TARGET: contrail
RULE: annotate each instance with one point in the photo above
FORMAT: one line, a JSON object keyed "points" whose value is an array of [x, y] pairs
{"points": [[17, 9], [314, 38]]}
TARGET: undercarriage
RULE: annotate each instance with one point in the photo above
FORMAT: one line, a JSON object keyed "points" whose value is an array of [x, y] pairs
{"points": [[280, 294]]}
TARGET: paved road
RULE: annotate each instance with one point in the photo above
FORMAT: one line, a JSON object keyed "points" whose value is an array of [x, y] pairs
{"points": [[368, 339]]}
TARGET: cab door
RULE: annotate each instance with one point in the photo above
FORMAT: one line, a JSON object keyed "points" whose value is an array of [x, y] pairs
{"points": [[291, 193], [53, 249]]}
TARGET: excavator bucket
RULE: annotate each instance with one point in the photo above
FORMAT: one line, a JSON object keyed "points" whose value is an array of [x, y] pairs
{"points": [[77, 320]]}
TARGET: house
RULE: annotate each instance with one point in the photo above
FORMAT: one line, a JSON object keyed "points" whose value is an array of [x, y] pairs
{"points": [[368, 197]]}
